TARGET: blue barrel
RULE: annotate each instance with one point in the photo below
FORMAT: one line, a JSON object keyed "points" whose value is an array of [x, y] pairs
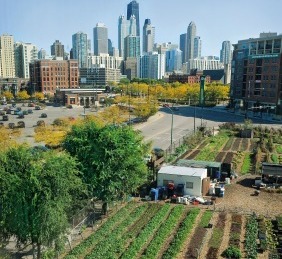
{"points": [[154, 194], [217, 175]]}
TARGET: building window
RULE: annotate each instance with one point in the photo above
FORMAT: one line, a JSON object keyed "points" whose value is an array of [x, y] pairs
{"points": [[189, 185]]}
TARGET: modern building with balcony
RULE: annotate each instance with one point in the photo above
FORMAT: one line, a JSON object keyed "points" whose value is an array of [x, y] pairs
{"points": [[256, 77]]}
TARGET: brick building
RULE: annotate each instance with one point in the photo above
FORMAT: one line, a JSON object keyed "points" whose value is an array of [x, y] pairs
{"points": [[256, 78], [184, 79], [48, 75]]}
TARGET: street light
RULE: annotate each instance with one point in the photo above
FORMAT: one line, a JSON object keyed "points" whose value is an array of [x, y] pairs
{"points": [[171, 130]]}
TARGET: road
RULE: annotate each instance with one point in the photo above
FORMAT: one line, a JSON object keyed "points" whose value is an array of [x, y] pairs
{"points": [[158, 130]]}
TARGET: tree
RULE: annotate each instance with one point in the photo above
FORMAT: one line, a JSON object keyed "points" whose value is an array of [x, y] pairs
{"points": [[39, 96], [111, 158], [23, 95], [37, 192], [8, 95]]}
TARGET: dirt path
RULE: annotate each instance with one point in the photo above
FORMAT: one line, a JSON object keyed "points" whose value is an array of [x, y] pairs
{"points": [[183, 250], [205, 247], [225, 240], [242, 237]]}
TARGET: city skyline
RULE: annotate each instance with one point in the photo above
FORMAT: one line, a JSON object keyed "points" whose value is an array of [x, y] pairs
{"points": [[43, 22]]}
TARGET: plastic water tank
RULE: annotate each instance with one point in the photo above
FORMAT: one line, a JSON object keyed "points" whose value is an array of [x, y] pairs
{"points": [[227, 180]]}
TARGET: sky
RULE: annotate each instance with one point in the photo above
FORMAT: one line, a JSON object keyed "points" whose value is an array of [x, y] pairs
{"points": [[41, 22]]}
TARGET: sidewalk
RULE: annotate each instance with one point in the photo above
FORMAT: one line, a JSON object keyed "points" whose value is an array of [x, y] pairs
{"points": [[251, 115], [151, 119]]}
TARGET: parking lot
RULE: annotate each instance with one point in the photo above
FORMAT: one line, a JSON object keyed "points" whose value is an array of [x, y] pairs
{"points": [[31, 119]]}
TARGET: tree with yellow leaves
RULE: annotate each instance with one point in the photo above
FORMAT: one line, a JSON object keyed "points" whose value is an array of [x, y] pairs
{"points": [[8, 95], [8, 137], [23, 95], [38, 96]]}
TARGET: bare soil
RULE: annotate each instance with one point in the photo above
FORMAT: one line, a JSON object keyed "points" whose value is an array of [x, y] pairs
{"points": [[239, 198]]}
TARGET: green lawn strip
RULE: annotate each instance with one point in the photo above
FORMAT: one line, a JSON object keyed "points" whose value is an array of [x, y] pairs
{"points": [[149, 230], [80, 250], [163, 233], [105, 244], [209, 152], [120, 245], [246, 163], [183, 232]]}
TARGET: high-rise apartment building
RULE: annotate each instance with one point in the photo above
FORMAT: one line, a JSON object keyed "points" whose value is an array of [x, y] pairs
{"points": [[256, 72], [204, 63], [148, 36], [57, 49], [226, 53], [80, 48], [7, 58], [25, 53], [100, 35], [190, 36], [133, 10]]}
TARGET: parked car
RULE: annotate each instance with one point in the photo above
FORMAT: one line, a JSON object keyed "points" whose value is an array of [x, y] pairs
{"points": [[31, 105], [5, 117], [21, 124], [29, 111], [11, 125], [37, 107], [25, 112], [43, 115], [158, 152], [21, 116]]}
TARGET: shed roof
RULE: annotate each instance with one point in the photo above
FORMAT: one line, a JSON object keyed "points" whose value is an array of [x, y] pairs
{"points": [[183, 170], [197, 164], [271, 169]]}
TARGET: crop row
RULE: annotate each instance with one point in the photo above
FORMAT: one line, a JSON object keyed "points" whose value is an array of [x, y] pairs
{"points": [[122, 242], [216, 238], [92, 240], [236, 144], [193, 154], [245, 144], [228, 144], [195, 244], [220, 156], [105, 246], [138, 243], [235, 230], [163, 233], [184, 230], [251, 237], [229, 157]]}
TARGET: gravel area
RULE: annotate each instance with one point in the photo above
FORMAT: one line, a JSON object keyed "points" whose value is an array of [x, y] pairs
{"points": [[239, 198]]}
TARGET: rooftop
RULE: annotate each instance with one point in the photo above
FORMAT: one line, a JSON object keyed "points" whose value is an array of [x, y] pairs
{"points": [[182, 170]]}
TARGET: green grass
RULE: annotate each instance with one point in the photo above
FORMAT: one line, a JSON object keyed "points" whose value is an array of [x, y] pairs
{"points": [[246, 163]]}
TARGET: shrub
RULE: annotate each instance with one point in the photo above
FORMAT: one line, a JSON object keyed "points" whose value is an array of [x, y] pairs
{"points": [[232, 252]]}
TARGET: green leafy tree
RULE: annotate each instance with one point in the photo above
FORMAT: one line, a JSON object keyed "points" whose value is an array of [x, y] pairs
{"points": [[111, 158], [37, 192]]}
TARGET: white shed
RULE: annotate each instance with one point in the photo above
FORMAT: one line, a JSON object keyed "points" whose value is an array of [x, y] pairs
{"points": [[192, 178]]}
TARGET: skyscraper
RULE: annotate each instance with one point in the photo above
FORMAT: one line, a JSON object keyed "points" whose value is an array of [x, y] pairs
{"points": [[148, 36], [123, 31], [79, 48], [100, 33], [225, 52], [57, 49], [173, 60], [7, 58], [133, 9], [191, 34], [182, 45], [197, 47], [131, 46]]}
